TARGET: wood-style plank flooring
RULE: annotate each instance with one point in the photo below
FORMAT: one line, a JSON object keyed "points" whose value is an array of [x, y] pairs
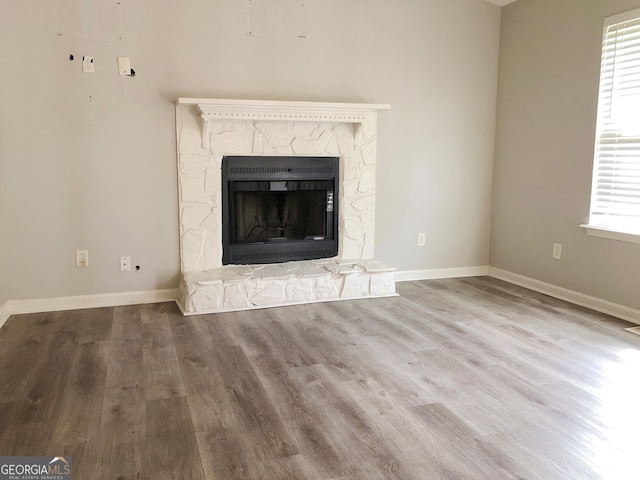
{"points": [[455, 379]]}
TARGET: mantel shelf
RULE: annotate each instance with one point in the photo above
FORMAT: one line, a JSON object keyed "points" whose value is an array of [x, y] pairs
{"points": [[212, 109]]}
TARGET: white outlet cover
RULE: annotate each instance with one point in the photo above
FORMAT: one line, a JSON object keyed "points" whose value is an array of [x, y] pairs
{"points": [[87, 64], [82, 258]]}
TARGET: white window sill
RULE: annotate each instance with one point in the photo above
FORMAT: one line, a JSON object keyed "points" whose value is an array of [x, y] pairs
{"points": [[603, 232]]}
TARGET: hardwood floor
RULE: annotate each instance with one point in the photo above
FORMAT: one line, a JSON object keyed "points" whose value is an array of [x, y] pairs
{"points": [[455, 379]]}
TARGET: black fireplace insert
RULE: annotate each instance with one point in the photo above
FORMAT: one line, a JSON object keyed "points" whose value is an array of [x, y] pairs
{"points": [[279, 209]]}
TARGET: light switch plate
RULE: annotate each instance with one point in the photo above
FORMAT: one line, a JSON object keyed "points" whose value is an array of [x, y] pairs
{"points": [[124, 66]]}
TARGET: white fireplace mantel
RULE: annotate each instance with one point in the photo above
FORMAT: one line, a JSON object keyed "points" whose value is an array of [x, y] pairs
{"points": [[230, 109]]}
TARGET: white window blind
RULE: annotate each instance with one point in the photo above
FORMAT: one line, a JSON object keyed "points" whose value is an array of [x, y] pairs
{"points": [[615, 194]]}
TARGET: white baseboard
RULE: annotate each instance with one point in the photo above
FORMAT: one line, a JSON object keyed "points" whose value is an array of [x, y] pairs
{"points": [[15, 307], [603, 306], [433, 274], [4, 314]]}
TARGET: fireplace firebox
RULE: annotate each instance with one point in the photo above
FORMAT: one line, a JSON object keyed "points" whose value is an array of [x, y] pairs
{"points": [[279, 209]]}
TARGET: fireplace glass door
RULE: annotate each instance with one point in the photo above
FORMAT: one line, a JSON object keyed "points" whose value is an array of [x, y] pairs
{"points": [[277, 209]]}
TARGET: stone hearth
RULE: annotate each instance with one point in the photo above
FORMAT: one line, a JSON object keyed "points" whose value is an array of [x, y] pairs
{"points": [[243, 287], [208, 129]]}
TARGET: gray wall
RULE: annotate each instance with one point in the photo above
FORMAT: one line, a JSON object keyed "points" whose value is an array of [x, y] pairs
{"points": [[547, 102], [87, 161]]}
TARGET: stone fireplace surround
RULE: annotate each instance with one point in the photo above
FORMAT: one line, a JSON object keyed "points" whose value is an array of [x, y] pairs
{"points": [[208, 129]]}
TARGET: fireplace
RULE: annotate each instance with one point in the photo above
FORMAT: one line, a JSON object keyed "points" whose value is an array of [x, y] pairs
{"points": [[279, 209], [266, 185]]}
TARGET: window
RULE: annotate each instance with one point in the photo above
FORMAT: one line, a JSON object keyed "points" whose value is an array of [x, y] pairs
{"points": [[615, 194]]}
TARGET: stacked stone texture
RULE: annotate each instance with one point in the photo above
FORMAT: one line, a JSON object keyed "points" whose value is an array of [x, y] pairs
{"points": [[203, 141]]}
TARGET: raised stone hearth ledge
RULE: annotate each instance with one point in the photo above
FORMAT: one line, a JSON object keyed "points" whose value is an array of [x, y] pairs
{"points": [[245, 287]]}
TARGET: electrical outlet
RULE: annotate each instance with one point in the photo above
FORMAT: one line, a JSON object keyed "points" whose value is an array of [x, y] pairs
{"points": [[422, 239], [125, 264], [88, 65], [82, 258], [557, 251]]}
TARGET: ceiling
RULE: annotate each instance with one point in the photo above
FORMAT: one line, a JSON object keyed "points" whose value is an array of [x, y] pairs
{"points": [[502, 3]]}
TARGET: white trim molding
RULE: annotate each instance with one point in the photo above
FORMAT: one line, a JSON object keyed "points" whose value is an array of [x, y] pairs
{"points": [[230, 109], [434, 274], [603, 232], [16, 307], [4, 313], [501, 3], [603, 306]]}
